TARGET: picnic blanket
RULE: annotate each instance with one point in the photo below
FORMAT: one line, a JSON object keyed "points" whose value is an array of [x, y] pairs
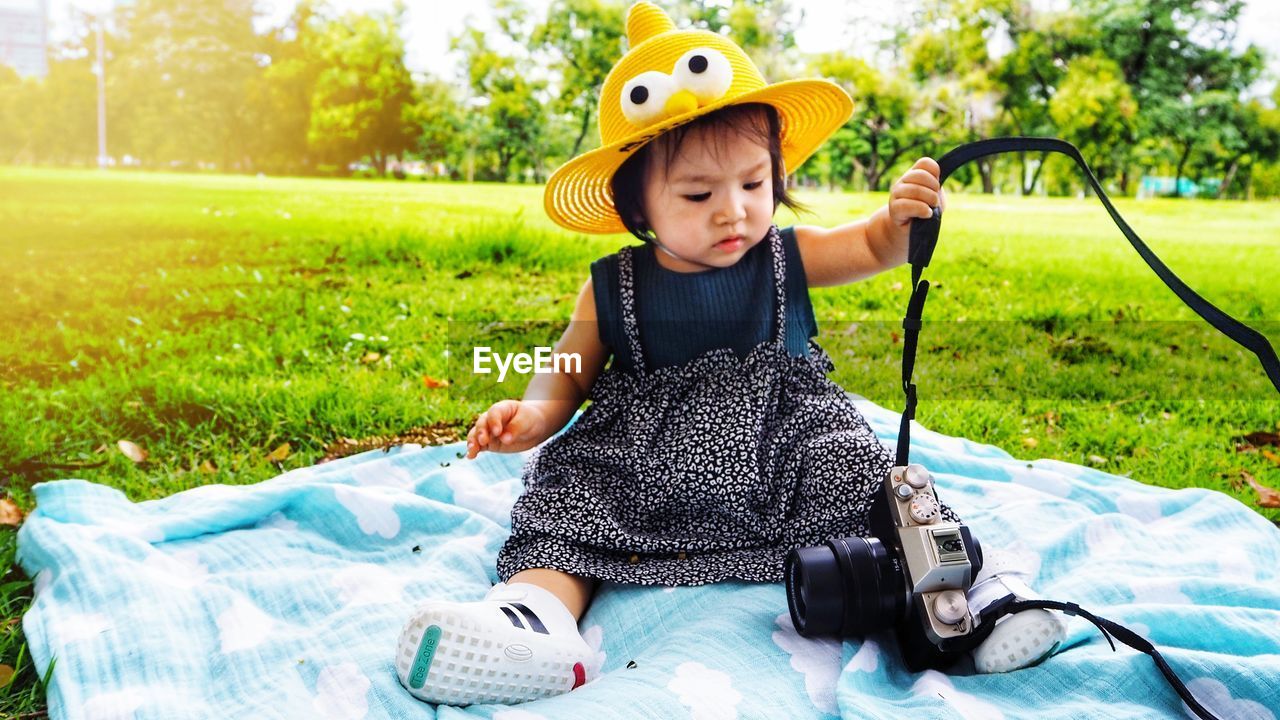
{"points": [[284, 599]]}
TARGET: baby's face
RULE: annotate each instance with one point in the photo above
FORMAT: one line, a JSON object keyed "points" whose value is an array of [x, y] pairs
{"points": [[714, 203]]}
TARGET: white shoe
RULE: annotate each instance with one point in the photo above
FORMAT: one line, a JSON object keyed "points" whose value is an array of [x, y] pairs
{"points": [[519, 643], [1019, 640]]}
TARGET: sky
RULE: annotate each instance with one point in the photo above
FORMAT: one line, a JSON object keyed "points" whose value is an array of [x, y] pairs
{"points": [[827, 24]]}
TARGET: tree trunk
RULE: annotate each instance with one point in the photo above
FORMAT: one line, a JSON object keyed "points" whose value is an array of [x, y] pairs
{"points": [[1231, 174], [582, 131], [873, 167], [873, 179], [984, 169], [1035, 177], [1182, 164]]}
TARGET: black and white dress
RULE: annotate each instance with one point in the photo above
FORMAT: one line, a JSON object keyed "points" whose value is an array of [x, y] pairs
{"points": [[698, 472]]}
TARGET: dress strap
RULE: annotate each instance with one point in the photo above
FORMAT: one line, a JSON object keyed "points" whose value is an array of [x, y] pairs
{"points": [[779, 285], [627, 290]]}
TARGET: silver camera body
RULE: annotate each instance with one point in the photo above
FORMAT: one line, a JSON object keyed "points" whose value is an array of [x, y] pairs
{"points": [[939, 570]]}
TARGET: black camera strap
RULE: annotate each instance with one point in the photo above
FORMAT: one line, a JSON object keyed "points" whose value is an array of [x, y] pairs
{"points": [[924, 238], [1010, 605]]}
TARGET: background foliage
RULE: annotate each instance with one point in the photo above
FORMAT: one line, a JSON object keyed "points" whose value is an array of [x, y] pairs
{"points": [[1142, 86]]}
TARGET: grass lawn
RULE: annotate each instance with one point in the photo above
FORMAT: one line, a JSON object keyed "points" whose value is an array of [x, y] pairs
{"points": [[212, 320]]}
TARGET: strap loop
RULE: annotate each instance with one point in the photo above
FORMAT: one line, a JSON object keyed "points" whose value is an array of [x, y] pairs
{"points": [[1109, 628]]}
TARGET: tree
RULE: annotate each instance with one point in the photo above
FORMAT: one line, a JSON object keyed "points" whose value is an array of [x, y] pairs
{"points": [[1242, 135], [440, 123], [1171, 52], [65, 131], [514, 120], [764, 29], [363, 95], [584, 39], [1042, 46], [889, 119], [1094, 109], [177, 80], [278, 102], [13, 131]]}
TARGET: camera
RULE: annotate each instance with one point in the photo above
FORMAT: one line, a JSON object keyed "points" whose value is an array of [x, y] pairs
{"points": [[912, 575]]}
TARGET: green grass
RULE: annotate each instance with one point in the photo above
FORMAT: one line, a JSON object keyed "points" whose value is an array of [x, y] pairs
{"points": [[210, 319]]}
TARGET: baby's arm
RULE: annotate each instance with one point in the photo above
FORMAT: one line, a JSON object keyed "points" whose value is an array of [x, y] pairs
{"points": [[551, 398], [864, 248]]}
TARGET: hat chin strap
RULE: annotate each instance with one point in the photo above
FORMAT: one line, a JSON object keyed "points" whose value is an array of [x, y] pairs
{"points": [[668, 251]]}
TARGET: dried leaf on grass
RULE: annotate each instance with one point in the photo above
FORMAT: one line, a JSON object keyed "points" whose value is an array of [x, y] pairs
{"points": [[6, 675], [1267, 497], [433, 383], [132, 451], [440, 433], [10, 514], [1263, 438], [280, 454]]}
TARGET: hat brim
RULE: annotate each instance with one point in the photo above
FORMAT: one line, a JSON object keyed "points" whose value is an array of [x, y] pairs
{"points": [[578, 197]]}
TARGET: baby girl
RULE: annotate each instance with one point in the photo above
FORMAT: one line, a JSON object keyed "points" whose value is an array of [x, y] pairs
{"points": [[714, 442]]}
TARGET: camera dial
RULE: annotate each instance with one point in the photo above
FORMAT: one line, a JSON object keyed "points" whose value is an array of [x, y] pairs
{"points": [[924, 508]]}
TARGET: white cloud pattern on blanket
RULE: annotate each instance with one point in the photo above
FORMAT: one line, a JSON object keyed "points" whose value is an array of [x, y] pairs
{"points": [[934, 685], [118, 705], [517, 714], [708, 693], [44, 579], [243, 626], [1104, 537], [74, 628], [374, 509], [867, 659], [1157, 591], [182, 569], [1141, 507], [366, 584], [1217, 699], [1043, 480], [594, 636], [278, 521], [472, 491], [341, 692], [817, 659], [382, 473]]}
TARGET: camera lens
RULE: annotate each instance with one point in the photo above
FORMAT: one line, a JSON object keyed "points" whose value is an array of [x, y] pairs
{"points": [[849, 586], [815, 592]]}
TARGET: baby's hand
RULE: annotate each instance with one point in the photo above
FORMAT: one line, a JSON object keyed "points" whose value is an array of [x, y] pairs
{"points": [[916, 193], [507, 426]]}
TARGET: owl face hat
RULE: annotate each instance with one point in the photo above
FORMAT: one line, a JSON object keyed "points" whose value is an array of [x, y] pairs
{"points": [[668, 78]]}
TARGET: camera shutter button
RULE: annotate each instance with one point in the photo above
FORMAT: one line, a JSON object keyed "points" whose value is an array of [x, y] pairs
{"points": [[916, 476], [904, 492], [950, 606]]}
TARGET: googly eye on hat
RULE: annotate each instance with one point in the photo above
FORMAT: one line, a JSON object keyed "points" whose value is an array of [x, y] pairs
{"points": [[667, 78]]}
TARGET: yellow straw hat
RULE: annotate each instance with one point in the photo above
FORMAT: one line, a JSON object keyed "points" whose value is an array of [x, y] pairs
{"points": [[668, 78]]}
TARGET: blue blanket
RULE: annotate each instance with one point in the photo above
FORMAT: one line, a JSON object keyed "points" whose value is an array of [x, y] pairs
{"points": [[284, 600]]}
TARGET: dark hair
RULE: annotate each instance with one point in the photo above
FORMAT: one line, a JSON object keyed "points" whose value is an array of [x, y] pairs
{"points": [[756, 121]]}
